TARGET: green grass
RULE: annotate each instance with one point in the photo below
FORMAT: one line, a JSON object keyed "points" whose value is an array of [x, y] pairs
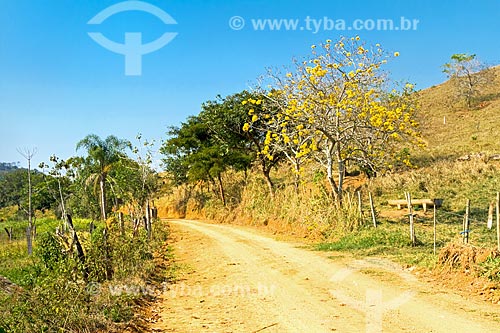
{"points": [[55, 297], [491, 269], [15, 264], [378, 240], [391, 239]]}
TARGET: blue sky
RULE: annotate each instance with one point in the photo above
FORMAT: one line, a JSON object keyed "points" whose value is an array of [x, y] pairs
{"points": [[58, 85]]}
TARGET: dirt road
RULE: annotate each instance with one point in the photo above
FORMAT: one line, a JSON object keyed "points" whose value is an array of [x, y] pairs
{"points": [[237, 280]]}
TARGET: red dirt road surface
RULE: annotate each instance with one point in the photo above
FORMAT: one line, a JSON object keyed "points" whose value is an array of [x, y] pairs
{"points": [[234, 279]]}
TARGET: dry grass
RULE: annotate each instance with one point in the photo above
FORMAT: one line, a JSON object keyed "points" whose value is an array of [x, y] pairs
{"points": [[464, 256], [466, 131]]}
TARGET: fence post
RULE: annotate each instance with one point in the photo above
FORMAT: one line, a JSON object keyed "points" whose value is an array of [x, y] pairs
{"points": [[498, 220], [372, 208], [360, 206], [490, 215], [466, 222], [29, 240], [410, 214], [434, 227], [79, 248]]}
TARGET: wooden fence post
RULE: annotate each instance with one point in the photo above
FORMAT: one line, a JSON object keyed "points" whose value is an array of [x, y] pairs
{"points": [[29, 240], [466, 222], [498, 220], [79, 248], [410, 214], [360, 206], [490, 215], [372, 208], [434, 227], [149, 218]]}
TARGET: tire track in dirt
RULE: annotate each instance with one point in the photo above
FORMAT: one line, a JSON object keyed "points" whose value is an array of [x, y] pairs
{"points": [[238, 281]]}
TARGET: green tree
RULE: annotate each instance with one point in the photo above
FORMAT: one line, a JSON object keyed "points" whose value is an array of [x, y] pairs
{"points": [[14, 191], [138, 181], [101, 157], [469, 76], [224, 118], [193, 155], [58, 182], [83, 201], [12, 188]]}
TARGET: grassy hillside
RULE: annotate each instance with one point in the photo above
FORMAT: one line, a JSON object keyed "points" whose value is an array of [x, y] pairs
{"points": [[451, 130]]}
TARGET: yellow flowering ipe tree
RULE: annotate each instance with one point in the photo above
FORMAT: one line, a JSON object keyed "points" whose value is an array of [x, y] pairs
{"points": [[339, 108]]}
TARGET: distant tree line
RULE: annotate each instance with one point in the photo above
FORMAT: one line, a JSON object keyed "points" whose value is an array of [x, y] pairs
{"points": [[8, 166], [101, 181]]}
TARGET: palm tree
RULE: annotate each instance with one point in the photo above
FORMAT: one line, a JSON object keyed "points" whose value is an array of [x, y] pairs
{"points": [[102, 154]]}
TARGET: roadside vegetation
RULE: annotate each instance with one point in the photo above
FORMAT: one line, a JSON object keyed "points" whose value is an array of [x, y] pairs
{"points": [[98, 249]]}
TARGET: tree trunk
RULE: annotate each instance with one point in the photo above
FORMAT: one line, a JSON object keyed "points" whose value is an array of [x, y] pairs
{"points": [[79, 248], [9, 233], [269, 182], [103, 196], [30, 212], [122, 223], [221, 190], [148, 218], [107, 260], [63, 206], [340, 191], [297, 177], [331, 180]]}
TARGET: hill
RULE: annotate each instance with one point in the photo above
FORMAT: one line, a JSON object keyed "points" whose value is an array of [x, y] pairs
{"points": [[452, 130]]}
